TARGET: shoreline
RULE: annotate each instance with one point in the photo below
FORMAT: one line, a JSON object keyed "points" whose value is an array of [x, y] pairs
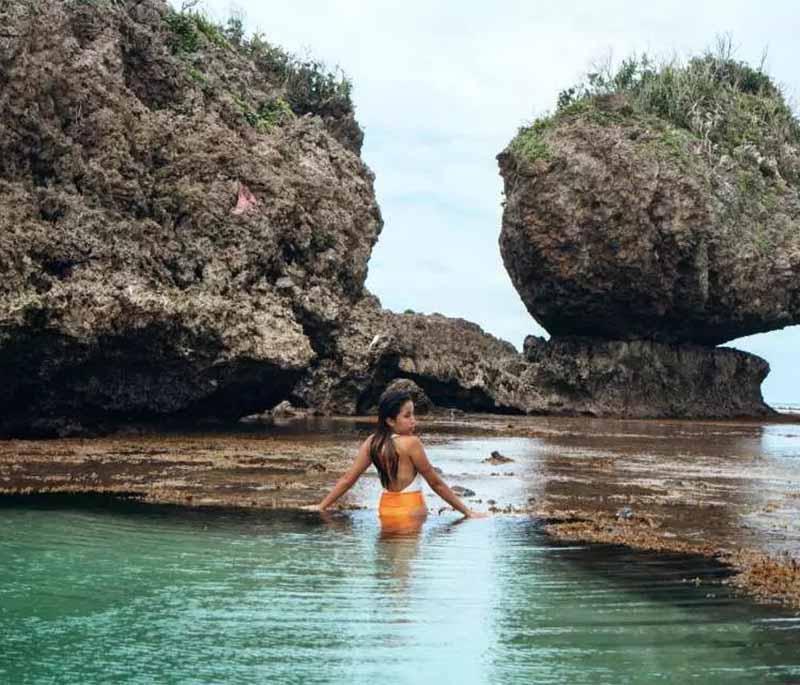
{"points": [[729, 503]]}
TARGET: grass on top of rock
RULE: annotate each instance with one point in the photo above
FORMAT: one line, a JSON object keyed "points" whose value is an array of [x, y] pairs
{"points": [[307, 86], [269, 114], [529, 143], [722, 102]]}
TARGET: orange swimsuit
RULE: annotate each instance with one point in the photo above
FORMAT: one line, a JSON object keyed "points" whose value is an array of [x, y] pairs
{"points": [[407, 504], [402, 504], [402, 513]]}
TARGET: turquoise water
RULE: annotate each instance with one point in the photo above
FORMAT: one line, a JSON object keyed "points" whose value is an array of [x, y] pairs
{"points": [[132, 594]]}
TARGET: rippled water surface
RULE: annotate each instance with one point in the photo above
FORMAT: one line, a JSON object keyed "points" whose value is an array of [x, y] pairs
{"points": [[130, 594]]}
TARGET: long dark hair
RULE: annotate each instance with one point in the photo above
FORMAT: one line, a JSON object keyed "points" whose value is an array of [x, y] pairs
{"points": [[381, 447]]}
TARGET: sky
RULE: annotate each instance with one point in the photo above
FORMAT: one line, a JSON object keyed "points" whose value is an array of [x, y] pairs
{"points": [[440, 88]]}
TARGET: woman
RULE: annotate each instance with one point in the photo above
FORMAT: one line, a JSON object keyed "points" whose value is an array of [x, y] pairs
{"points": [[400, 460]]}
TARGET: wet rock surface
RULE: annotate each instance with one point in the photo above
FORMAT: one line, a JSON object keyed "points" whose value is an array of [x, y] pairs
{"points": [[625, 227], [497, 458]]}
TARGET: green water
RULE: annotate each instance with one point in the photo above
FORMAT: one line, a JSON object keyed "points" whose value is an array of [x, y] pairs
{"points": [[129, 594]]}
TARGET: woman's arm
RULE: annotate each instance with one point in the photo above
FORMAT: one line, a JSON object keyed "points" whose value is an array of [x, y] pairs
{"points": [[359, 465], [423, 465]]}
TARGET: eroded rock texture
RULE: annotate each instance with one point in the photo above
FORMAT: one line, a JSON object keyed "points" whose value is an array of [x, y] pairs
{"points": [[640, 378], [129, 286], [454, 361], [185, 227], [625, 227], [456, 364]]}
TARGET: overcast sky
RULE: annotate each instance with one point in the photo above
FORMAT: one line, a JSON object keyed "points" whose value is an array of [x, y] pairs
{"points": [[441, 87]]}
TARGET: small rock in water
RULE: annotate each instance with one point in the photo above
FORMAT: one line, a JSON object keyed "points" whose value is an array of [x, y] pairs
{"points": [[626, 514], [463, 492], [497, 458]]}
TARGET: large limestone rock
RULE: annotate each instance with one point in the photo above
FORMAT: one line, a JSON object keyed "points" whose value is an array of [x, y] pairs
{"points": [[622, 226], [180, 230], [185, 226]]}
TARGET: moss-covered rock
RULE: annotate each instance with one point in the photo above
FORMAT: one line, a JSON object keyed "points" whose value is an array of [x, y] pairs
{"points": [[626, 218]]}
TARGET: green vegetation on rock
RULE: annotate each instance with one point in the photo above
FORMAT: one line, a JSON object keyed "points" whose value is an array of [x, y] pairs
{"points": [[269, 114], [721, 102], [529, 143], [306, 86]]}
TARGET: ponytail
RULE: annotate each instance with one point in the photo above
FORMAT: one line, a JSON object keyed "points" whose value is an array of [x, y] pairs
{"points": [[382, 452]]}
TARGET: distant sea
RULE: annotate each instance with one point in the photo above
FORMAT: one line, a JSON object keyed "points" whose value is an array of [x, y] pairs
{"points": [[785, 408]]}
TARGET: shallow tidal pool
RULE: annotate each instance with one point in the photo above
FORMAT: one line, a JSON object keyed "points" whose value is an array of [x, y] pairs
{"points": [[94, 591]]}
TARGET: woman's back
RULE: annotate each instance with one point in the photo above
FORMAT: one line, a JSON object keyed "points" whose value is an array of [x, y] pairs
{"points": [[408, 479], [401, 462]]}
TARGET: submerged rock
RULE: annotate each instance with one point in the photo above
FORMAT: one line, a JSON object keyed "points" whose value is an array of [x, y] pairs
{"points": [[497, 458]]}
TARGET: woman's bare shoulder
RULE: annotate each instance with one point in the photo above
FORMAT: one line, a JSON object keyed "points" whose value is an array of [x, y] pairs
{"points": [[407, 442]]}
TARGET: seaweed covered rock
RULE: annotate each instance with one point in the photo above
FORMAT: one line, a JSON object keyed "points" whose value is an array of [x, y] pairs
{"points": [[184, 217], [660, 203]]}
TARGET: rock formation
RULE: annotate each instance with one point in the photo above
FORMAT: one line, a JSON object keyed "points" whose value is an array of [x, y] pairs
{"points": [[622, 226], [422, 403], [183, 219], [641, 235], [454, 361], [456, 364], [640, 378], [185, 227]]}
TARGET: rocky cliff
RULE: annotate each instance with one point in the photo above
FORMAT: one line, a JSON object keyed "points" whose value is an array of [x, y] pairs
{"points": [[184, 216]]}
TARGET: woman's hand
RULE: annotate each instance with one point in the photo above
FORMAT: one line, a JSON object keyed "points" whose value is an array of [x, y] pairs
{"points": [[472, 514]]}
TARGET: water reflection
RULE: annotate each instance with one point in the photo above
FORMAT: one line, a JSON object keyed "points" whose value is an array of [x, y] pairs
{"points": [[396, 549], [607, 614], [154, 596]]}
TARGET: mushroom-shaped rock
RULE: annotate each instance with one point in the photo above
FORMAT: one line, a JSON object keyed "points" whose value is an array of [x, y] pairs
{"points": [[622, 225]]}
